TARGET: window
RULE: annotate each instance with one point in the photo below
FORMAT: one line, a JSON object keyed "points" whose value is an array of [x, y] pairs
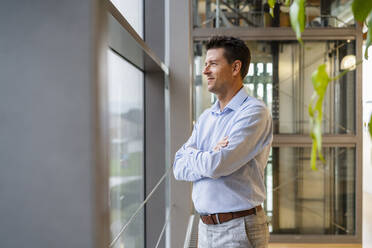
{"points": [[303, 201], [133, 13], [125, 96]]}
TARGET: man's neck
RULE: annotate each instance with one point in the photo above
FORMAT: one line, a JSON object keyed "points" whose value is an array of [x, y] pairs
{"points": [[226, 98]]}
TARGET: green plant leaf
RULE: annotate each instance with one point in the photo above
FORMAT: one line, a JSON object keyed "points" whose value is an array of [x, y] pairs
{"points": [[272, 5], [361, 9], [297, 17], [287, 2], [369, 35], [320, 81], [370, 126]]}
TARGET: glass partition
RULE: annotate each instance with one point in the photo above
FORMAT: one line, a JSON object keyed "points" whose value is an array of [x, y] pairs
{"points": [[125, 97], [303, 201], [255, 14], [302, 204], [280, 75]]}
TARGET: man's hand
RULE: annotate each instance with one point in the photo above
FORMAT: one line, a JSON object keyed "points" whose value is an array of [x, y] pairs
{"points": [[222, 143]]}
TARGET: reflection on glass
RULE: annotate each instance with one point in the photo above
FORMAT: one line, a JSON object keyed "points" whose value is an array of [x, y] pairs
{"points": [[303, 201], [254, 14], [125, 96], [280, 75]]}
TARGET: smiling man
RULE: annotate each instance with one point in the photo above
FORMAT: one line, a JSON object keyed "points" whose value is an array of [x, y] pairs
{"points": [[227, 153]]}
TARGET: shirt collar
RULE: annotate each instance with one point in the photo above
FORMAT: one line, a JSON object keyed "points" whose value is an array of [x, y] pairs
{"points": [[216, 107], [234, 103]]}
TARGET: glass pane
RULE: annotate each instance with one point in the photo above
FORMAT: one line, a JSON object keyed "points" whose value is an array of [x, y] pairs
{"points": [[133, 13], [303, 201], [296, 66], [125, 96], [280, 75], [253, 14]]}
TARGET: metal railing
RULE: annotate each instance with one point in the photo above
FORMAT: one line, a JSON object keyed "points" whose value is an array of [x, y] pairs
{"points": [[122, 230]]}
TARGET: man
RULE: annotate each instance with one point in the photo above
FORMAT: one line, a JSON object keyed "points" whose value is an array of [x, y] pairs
{"points": [[226, 155]]}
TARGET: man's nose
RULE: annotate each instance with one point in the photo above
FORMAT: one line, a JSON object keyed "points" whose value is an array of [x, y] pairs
{"points": [[206, 70]]}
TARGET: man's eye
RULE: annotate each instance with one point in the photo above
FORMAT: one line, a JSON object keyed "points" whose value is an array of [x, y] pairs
{"points": [[210, 64]]}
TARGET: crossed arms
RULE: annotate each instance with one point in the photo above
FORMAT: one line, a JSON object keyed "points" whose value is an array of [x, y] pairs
{"points": [[249, 135]]}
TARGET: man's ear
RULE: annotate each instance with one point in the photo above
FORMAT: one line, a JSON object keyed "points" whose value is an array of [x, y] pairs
{"points": [[236, 66]]}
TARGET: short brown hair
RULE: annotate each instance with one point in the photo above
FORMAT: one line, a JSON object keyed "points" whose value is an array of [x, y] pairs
{"points": [[235, 49]]}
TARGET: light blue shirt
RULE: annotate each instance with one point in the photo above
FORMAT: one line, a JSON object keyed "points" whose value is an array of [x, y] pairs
{"points": [[231, 179]]}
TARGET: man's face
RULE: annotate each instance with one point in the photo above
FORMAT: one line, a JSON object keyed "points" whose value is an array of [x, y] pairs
{"points": [[218, 71]]}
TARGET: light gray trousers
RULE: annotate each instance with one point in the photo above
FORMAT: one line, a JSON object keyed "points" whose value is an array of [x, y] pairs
{"points": [[246, 232]]}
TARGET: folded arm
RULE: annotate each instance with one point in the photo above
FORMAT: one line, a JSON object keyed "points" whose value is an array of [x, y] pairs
{"points": [[180, 169], [249, 135]]}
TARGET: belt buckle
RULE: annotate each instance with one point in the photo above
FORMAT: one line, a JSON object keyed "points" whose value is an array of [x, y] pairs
{"points": [[217, 218], [211, 216]]}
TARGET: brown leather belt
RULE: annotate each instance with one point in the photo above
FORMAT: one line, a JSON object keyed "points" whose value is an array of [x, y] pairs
{"points": [[220, 218]]}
